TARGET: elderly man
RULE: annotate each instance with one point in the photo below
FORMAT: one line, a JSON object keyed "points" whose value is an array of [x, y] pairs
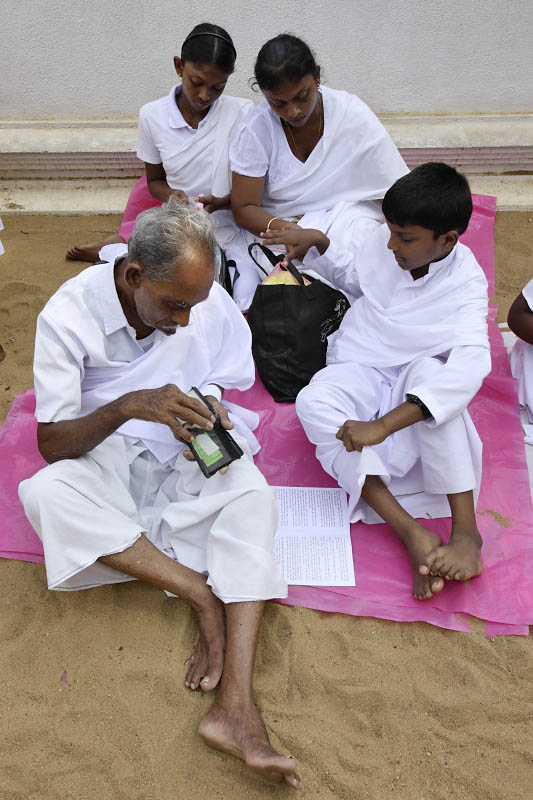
{"points": [[117, 349]]}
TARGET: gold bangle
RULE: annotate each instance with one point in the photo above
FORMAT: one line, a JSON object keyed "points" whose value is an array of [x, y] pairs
{"points": [[270, 221]]}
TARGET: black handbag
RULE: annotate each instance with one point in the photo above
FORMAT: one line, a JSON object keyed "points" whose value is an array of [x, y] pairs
{"points": [[224, 276], [290, 327]]}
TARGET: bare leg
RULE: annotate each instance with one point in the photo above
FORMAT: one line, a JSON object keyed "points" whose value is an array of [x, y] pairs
{"points": [[89, 252], [417, 539], [146, 563], [234, 725], [461, 558]]}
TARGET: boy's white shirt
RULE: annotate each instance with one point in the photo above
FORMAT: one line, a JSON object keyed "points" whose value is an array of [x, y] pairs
{"points": [[396, 320]]}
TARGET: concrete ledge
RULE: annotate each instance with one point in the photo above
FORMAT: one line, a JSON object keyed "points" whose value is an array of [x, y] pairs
{"points": [[84, 149], [407, 130], [514, 193]]}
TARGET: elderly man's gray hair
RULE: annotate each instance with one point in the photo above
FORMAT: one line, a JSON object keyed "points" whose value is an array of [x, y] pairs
{"points": [[163, 234]]}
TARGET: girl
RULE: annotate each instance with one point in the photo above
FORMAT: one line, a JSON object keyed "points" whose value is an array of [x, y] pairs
{"points": [[183, 140], [308, 156]]}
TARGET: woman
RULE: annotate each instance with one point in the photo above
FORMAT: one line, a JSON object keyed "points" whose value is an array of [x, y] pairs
{"points": [[183, 140], [308, 156]]}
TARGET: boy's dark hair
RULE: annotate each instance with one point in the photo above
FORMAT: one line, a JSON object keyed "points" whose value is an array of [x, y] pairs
{"points": [[210, 44], [284, 58], [434, 196]]}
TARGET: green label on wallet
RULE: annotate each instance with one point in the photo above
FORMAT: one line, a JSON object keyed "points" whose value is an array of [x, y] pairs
{"points": [[207, 449]]}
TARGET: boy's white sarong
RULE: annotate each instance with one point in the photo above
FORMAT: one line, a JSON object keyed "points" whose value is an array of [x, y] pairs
{"points": [[427, 338], [522, 362], [138, 480], [336, 189]]}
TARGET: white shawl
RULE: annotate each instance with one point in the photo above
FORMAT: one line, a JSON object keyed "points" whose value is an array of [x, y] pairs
{"points": [[215, 348], [394, 323], [355, 161]]}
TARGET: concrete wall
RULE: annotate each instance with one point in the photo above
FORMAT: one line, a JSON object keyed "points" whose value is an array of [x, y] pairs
{"points": [[80, 59]]}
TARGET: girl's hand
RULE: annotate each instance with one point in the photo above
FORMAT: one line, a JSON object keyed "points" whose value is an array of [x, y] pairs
{"points": [[179, 195], [212, 203], [297, 241]]}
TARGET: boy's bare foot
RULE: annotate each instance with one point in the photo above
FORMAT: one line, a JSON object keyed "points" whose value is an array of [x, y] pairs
{"points": [[204, 667], [459, 560], [420, 543], [238, 730], [90, 252]]}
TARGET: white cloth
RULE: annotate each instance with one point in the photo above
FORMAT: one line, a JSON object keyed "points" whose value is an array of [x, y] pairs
{"points": [[100, 504], [427, 338], [420, 464], [195, 160], [87, 355], [138, 479], [522, 365], [397, 319], [335, 190]]}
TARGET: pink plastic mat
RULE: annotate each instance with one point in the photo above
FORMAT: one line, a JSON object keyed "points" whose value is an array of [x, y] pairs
{"points": [[502, 595]]}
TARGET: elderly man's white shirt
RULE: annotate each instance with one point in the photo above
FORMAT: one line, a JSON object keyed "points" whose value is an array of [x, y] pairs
{"points": [[84, 340]]}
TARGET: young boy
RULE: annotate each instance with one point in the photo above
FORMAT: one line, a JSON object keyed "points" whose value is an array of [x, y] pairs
{"points": [[388, 412], [520, 321]]}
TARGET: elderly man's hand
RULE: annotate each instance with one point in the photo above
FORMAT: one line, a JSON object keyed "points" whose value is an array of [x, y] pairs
{"points": [[224, 421], [169, 406]]}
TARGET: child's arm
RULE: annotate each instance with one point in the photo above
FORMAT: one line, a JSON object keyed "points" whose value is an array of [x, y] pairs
{"points": [[520, 319], [319, 253], [297, 241], [355, 435], [444, 393]]}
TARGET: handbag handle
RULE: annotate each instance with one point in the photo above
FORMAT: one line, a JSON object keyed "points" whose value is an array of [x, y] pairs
{"points": [[274, 260]]}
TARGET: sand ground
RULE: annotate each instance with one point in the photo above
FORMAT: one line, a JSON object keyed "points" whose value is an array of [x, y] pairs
{"points": [[370, 709]]}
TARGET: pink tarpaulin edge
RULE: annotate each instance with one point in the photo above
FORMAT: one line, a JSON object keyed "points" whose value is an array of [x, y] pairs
{"points": [[328, 599]]}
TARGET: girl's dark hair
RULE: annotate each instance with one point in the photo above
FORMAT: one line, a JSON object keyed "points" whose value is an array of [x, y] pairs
{"points": [[433, 196], [284, 58], [210, 44]]}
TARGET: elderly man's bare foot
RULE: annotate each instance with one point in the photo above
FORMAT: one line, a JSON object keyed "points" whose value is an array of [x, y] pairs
{"points": [[204, 667], [420, 542], [91, 252], [459, 560], [238, 730]]}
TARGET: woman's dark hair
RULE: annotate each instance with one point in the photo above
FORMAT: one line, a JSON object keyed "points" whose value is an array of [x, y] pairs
{"points": [[210, 44], [284, 58], [433, 196]]}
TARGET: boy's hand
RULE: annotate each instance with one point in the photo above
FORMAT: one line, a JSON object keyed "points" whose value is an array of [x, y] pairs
{"points": [[355, 435], [297, 241]]}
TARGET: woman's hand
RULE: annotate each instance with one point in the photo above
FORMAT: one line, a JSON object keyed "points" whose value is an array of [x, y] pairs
{"points": [[212, 203], [298, 241], [355, 435]]}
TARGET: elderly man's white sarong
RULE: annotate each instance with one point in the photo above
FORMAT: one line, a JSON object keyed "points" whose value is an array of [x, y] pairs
{"points": [[138, 480], [425, 337], [100, 504]]}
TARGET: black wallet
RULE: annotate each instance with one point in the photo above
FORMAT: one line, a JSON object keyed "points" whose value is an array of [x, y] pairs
{"points": [[212, 449]]}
